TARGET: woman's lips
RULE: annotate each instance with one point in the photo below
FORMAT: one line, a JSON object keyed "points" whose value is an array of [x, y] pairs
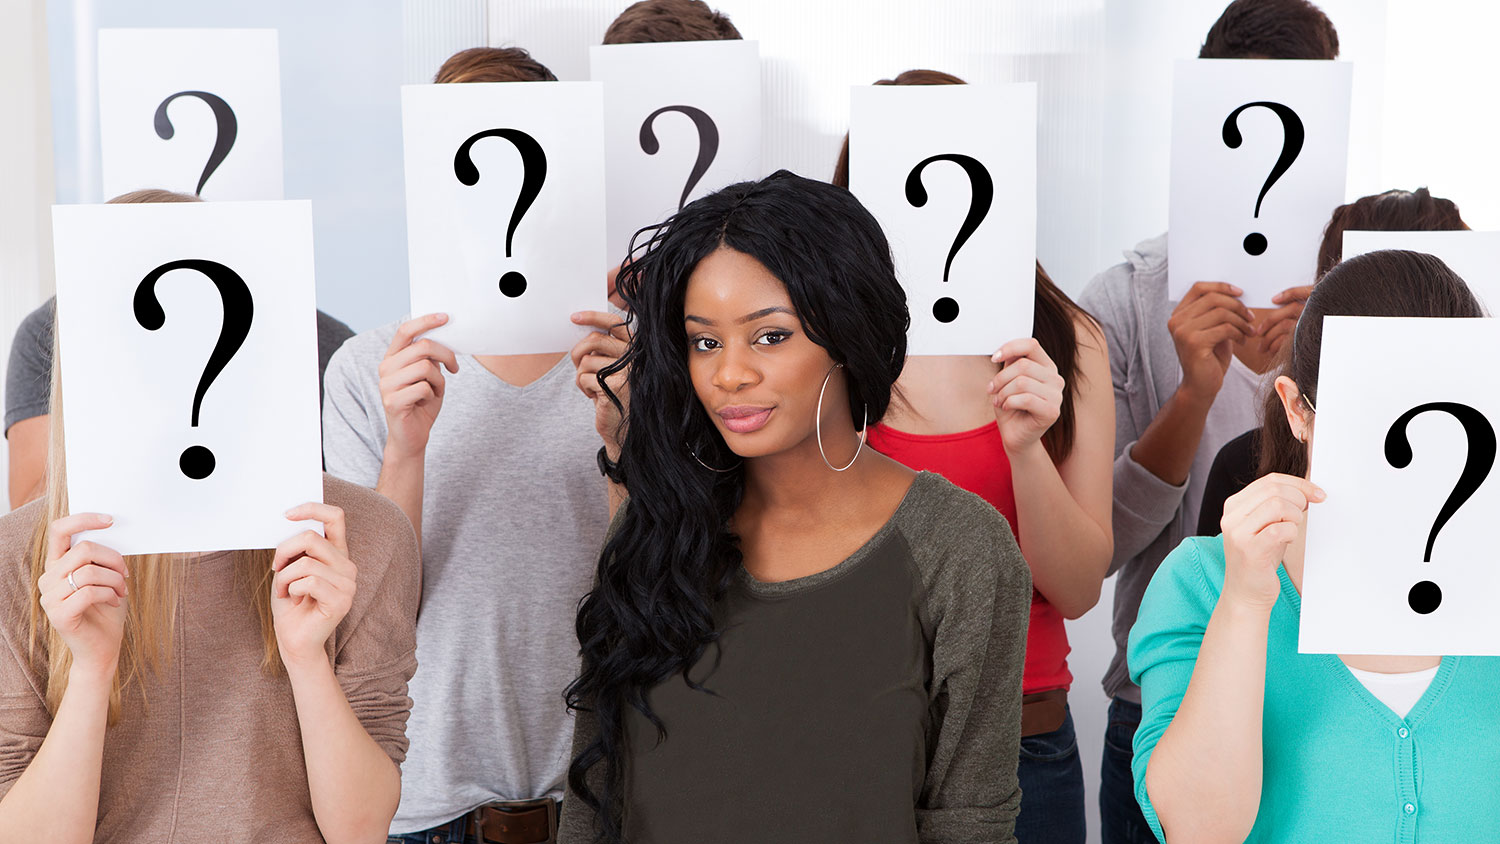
{"points": [[744, 419]]}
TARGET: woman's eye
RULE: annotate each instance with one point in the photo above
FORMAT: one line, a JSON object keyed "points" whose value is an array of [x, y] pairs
{"points": [[771, 338], [705, 344]]}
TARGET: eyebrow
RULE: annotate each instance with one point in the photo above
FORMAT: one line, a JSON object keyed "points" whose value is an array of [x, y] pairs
{"points": [[763, 312]]}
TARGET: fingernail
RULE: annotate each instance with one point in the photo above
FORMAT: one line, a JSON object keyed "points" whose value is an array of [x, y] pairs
{"points": [[109, 520], [289, 513]]}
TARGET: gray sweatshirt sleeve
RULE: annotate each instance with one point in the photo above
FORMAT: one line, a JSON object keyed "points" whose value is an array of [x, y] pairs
{"points": [[1144, 505], [978, 604], [353, 417]]}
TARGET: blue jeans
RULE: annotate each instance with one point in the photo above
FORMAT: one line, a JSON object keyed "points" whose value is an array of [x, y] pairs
{"points": [[1120, 818], [453, 832], [1051, 788]]}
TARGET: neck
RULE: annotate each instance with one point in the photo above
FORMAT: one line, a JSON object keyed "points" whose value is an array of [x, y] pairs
{"points": [[520, 370], [799, 480]]}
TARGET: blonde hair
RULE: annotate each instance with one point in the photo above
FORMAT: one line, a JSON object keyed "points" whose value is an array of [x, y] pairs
{"points": [[156, 580]]}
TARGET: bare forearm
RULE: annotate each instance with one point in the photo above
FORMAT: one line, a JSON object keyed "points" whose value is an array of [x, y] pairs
{"points": [[1204, 777], [1067, 549], [401, 479], [56, 799], [1168, 445], [354, 785]]}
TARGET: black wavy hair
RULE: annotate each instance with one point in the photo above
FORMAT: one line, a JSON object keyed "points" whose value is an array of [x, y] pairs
{"points": [[672, 555]]}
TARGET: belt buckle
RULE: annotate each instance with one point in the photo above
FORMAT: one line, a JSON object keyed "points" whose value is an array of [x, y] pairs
{"points": [[517, 807]]}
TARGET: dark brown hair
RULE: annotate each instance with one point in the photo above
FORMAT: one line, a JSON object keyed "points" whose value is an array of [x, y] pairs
{"points": [[1055, 320], [1271, 29], [1388, 283], [1392, 211], [654, 21], [493, 64]]}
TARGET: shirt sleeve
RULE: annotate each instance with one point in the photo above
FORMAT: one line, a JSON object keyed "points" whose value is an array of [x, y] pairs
{"points": [[1144, 505], [24, 719], [978, 606], [28, 376], [376, 656], [353, 419], [579, 822], [1164, 647]]}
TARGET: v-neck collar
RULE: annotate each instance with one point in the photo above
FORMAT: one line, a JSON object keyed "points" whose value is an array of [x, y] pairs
{"points": [[1447, 666]]}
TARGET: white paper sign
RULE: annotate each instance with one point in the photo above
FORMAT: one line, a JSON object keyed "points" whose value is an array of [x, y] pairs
{"points": [[505, 211], [681, 120], [188, 342], [191, 110], [950, 173], [1259, 153], [1475, 256], [1395, 436]]}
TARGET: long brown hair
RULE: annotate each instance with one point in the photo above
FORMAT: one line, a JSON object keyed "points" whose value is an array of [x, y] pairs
{"points": [[156, 580], [1056, 320], [1388, 283], [1392, 211]]}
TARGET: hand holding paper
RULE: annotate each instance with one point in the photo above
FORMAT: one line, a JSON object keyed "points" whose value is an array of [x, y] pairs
{"points": [[411, 385], [83, 592], [1027, 393], [1204, 326], [314, 585], [1260, 522]]}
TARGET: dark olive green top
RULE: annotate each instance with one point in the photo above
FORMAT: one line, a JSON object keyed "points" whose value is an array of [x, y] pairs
{"points": [[877, 701]]}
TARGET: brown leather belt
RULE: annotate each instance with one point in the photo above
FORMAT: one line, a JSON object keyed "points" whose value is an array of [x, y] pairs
{"points": [[518, 822], [1043, 712]]}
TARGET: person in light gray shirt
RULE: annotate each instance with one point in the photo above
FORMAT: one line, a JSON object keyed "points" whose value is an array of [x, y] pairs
{"points": [[494, 463]]}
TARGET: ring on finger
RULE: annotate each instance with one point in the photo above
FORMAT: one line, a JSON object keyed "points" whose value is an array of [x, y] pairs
{"points": [[71, 583]]}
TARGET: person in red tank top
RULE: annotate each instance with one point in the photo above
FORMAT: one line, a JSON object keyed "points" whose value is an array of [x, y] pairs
{"points": [[1031, 431]]}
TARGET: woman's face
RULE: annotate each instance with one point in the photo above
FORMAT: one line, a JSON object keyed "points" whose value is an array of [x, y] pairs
{"points": [[753, 366]]}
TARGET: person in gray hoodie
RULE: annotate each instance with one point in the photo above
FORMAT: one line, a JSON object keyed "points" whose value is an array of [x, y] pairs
{"points": [[1186, 377]]}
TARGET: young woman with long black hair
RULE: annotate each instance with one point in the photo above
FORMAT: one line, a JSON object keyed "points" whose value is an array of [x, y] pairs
{"points": [[792, 637], [1031, 430]]}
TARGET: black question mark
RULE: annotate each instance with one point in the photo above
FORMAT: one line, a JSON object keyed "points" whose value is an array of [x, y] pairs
{"points": [[708, 143], [1425, 596], [228, 129], [1291, 146], [533, 174], [197, 462], [983, 194]]}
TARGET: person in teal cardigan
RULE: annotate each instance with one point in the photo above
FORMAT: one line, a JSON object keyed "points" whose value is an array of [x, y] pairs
{"points": [[1244, 739]]}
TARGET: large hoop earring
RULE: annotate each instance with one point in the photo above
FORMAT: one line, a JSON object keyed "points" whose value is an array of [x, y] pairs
{"points": [[705, 465], [864, 427]]}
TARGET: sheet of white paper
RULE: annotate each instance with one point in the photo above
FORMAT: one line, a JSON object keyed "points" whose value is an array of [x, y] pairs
{"points": [[1475, 256], [508, 277], [1367, 544], [220, 127], [1216, 234], [128, 391], [696, 104], [902, 140]]}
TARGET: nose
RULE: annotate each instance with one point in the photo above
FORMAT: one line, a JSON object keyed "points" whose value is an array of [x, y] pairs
{"points": [[736, 370]]}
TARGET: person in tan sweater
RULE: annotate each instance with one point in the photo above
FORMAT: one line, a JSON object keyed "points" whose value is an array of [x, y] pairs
{"points": [[233, 696]]}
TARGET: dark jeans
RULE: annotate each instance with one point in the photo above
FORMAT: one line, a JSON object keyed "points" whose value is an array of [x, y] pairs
{"points": [[1120, 818], [1051, 788]]}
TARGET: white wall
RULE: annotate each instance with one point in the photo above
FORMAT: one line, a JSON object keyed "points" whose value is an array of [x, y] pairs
{"points": [[25, 169]]}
